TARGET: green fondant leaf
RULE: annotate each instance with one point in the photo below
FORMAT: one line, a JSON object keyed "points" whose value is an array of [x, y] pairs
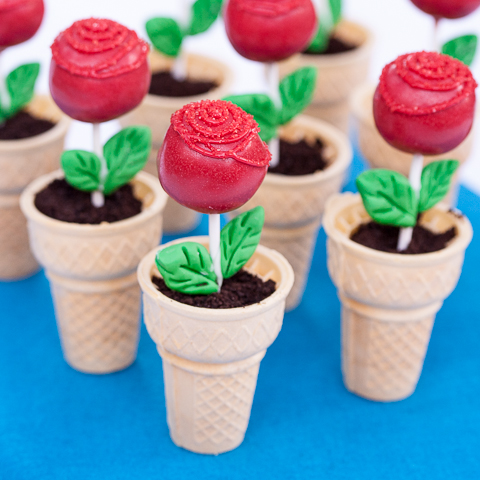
{"points": [[239, 239], [463, 48], [320, 40], [82, 169], [296, 92], [126, 153], [336, 9], [20, 85], [436, 178], [388, 197], [263, 110], [204, 13], [188, 268], [165, 35]]}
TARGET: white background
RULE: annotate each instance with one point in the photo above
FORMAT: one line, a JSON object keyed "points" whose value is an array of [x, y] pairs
{"points": [[399, 27]]}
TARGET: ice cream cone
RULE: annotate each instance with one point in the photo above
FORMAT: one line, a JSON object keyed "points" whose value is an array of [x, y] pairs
{"points": [[21, 161], [155, 111], [16, 260], [297, 246], [211, 357], [379, 154], [389, 301], [338, 74], [176, 217], [97, 321], [293, 203], [91, 269]]}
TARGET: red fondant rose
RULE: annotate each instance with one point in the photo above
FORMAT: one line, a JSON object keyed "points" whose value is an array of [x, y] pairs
{"points": [[269, 30], [19, 20], [425, 103], [99, 70], [212, 159], [447, 8]]}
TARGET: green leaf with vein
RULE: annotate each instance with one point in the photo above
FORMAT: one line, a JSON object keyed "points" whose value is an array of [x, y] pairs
{"points": [[296, 92], [188, 268], [165, 35], [204, 13], [20, 84], [238, 240], [263, 110], [388, 197], [463, 48], [436, 179], [82, 169], [126, 153]]}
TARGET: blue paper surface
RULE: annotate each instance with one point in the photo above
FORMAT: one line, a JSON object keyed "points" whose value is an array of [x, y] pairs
{"points": [[56, 423]]}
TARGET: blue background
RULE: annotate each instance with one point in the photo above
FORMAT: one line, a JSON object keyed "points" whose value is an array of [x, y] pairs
{"points": [[56, 423]]}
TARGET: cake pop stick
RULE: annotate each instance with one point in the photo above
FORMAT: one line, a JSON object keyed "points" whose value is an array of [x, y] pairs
{"points": [[425, 105], [213, 161]]}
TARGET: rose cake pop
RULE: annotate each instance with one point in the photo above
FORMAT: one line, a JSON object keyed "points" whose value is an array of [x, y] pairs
{"points": [[99, 70], [269, 31], [425, 105], [213, 160], [19, 21]]}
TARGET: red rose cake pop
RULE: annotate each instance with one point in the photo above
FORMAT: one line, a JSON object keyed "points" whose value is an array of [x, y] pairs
{"points": [[99, 70], [269, 30], [19, 21], [212, 159], [425, 103], [447, 8]]}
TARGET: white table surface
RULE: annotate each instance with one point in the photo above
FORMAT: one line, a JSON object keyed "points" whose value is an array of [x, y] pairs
{"points": [[399, 27]]}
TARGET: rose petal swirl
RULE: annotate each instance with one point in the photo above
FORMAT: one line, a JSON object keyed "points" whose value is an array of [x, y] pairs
{"points": [[98, 48], [218, 129], [269, 8], [427, 72]]}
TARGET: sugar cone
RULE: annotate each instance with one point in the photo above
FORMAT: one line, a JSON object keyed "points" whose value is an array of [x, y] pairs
{"points": [[211, 357], [21, 161], [16, 260], [297, 246], [97, 321], [155, 111], [91, 268], [293, 203], [208, 405], [389, 301], [379, 154]]}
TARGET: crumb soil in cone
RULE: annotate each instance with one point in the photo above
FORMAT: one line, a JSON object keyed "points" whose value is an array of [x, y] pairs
{"points": [[24, 125], [164, 85], [385, 237], [335, 45], [61, 201], [240, 290], [300, 158]]}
